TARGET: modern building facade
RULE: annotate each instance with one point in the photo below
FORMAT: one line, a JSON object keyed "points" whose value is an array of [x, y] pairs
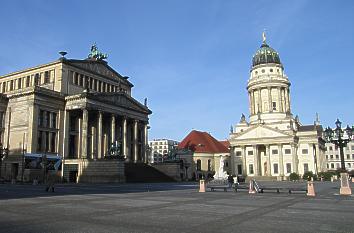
{"points": [[333, 156], [160, 148], [72, 109], [272, 142]]}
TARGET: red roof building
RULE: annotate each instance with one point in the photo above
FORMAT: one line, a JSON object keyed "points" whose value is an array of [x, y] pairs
{"points": [[202, 142]]}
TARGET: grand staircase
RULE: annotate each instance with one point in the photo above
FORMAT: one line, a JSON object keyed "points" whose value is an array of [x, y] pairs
{"points": [[144, 173]]}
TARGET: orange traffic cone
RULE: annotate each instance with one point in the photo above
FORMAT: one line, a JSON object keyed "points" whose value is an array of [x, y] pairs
{"points": [[251, 189], [310, 189]]}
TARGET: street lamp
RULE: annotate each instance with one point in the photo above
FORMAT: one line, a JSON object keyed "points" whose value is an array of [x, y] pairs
{"points": [[340, 138]]}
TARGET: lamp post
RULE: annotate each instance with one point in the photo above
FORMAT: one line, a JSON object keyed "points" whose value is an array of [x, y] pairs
{"points": [[340, 138], [3, 154]]}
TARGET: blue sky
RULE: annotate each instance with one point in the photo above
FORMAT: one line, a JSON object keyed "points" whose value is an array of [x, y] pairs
{"points": [[192, 58]]}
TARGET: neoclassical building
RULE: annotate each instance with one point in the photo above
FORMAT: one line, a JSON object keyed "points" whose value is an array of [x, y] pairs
{"points": [[272, 142], [72, 109]]}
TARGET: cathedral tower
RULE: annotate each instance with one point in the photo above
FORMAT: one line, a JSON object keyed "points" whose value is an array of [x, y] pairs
{"points": [[268, 87]]}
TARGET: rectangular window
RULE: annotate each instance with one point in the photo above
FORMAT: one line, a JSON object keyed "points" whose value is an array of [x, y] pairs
{"points": [[37, 79], [353, 148], [54, 120], [238, 153], [332, 165], [76, 78], [331, 156], [19, 83], [250, 167], [47, 141], [275, 152], [81, 80], [40, 118], [287, 151], [330, 148], [306, 167], [250, 152], [275, 168], [288, 168], [39, 141], [46, 77], [337, 156], [52, 143], [11, 85], [305, 151], [348, 156], [326, 156], [352, 156], [28, 80], [239, 169], [327, 165]]}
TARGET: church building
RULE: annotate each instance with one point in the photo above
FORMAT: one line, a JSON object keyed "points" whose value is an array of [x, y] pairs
{"points": [[70, 110], [272, 143]]}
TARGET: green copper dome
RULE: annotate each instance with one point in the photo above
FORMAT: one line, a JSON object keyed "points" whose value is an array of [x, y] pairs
{"points": [[265, 55]]}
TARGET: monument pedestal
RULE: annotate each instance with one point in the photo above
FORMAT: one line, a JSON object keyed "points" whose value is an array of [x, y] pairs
{"points": [[344, 184]]}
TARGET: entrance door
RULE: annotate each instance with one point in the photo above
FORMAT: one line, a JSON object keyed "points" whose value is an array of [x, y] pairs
{"points": [[239, 169], [72, 176], [14, 170]]}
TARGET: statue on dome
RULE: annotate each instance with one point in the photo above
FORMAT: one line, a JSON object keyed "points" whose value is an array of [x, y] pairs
{"points": [[264, 37]]}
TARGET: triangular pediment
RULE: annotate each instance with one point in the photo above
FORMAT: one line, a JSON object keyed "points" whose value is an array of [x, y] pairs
{"points": [[121, 100], [261, 132], [98, 67]]}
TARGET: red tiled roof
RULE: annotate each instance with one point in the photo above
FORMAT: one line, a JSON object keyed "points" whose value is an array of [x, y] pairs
{"points": [[226, 143], [202, 142]]}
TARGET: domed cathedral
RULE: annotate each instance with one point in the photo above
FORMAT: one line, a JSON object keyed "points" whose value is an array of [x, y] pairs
{"points": [[273, 143]]}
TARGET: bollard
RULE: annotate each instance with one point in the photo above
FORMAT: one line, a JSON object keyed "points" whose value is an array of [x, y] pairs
{"points": [[202, 186], [251, 189], [344, 185], [310, 189]]}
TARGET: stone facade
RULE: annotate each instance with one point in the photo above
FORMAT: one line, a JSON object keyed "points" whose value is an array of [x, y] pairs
{"points": [[74, 109], [273, 143]]}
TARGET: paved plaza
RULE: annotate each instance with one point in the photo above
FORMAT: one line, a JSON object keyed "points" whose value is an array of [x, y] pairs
{"points": [[172, 207]]}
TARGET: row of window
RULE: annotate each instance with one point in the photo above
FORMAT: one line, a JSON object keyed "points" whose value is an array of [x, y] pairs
{"points": [[274, 152], [348, 165], [263, 71], [336, 147], [337, 156], [23, 82], [276, 168], [46, 141], [94, 84]]}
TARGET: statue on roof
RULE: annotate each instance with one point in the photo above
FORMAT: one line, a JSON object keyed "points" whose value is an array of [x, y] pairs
{"points": [[243, 118], [264, 37], [95, 54]]}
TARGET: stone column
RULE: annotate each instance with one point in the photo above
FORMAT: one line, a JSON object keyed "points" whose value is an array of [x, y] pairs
{"points": [[270, 99], [66, 133], [124, 128], [294, 159], [268, 160], [99, 135], [93, 142], [281, 163], [135, 142], [79, 140], [244, 164], [255, 160], [84, 129], [145, 146], [259, 100], [279, 100], [253, 102], [250, 101], [113, 129]]}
